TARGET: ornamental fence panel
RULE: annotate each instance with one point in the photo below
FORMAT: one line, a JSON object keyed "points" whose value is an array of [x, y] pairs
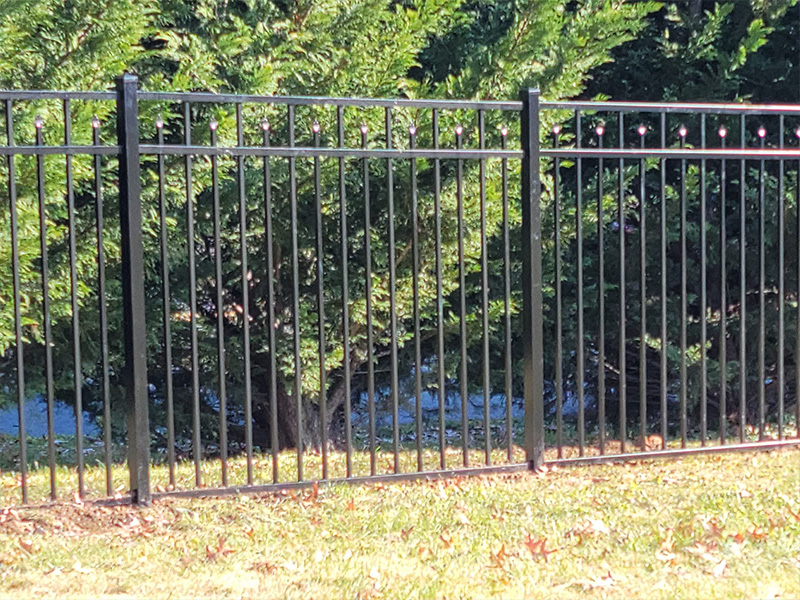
{"points": [[217, 293]]}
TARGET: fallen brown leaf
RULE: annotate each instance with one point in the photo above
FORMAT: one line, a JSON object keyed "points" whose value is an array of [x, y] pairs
{"points": [[650, 442], [264, 567], [423, 551], [498, 558], [712, 527], [756, 533], [536, 546], [26, 545], [314, 492], [497, 516], [219, 551]]}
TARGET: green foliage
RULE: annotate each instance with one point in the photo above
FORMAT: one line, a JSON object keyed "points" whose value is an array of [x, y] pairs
{"points": [[312, 47], [684, 54], [77, 44]]}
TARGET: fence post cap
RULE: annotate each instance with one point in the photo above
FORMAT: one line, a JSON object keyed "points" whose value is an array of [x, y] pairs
{"points": [[127, 78]]}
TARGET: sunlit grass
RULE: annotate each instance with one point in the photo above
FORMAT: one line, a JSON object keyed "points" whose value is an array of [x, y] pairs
{"points": [[722, 526]]}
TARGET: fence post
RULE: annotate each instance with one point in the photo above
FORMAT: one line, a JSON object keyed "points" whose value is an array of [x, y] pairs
{"points": [[532, 279], [133, 307]]}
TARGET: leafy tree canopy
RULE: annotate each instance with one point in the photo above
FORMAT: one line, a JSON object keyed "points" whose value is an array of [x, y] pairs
{"points": [[373, 48]]}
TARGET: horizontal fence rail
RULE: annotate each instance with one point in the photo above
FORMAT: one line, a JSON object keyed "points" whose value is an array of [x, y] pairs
{"points": [[348, 289]]}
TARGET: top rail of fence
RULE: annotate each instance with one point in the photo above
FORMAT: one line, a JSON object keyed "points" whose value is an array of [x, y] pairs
{"points": [[54, 95], [204, 97], [510, 105], [670, 107]]}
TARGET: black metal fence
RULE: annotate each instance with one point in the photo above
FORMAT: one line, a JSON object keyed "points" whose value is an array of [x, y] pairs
{"points": [[674, 235], [300, 289]]}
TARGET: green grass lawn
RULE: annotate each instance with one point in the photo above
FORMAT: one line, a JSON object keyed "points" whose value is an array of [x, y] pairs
{"points": [[724, 526]]}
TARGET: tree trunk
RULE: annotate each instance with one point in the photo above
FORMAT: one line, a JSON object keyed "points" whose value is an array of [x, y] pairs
{"points": [[310, 436]]}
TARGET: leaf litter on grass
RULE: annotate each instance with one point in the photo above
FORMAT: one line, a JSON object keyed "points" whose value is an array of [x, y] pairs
{"points": [[504, 536]]}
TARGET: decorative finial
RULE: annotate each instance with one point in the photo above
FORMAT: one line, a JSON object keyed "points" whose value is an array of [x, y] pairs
{"points": [[504, 131], [265, 125], [96, 122], [213, 124], [723, 131], [38, 122], [762, 132], [682, 131], [642, 129], [315, 126], [459, 130], [600, 130]]}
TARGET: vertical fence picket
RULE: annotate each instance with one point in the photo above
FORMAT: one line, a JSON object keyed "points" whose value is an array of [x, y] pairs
{"points": [[18, 339]]}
